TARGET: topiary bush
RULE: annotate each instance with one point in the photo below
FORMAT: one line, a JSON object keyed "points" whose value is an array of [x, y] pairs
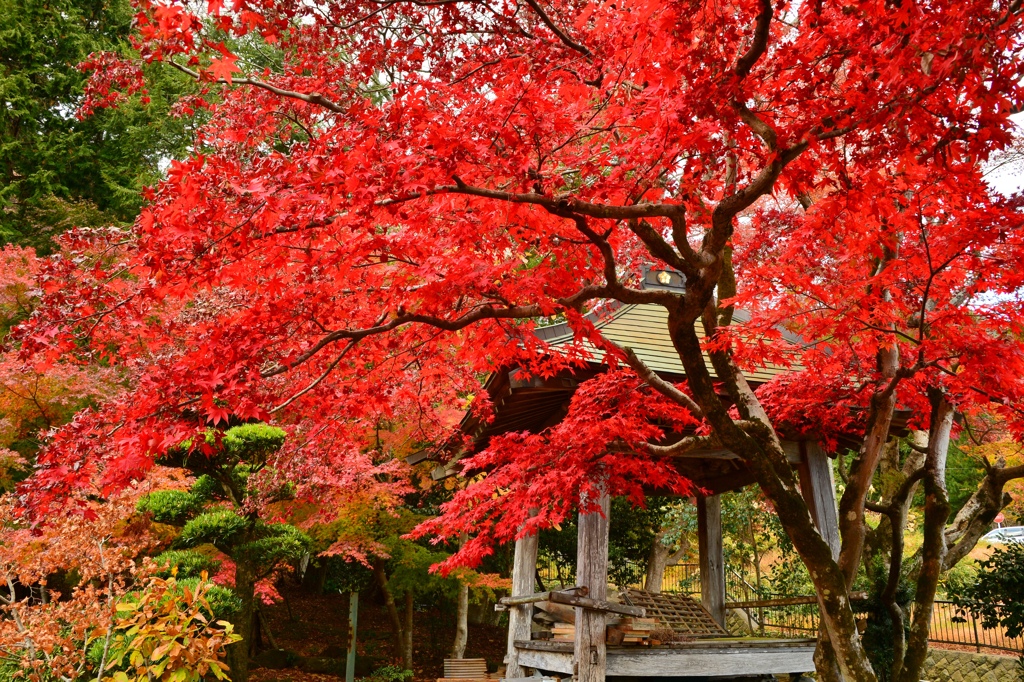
{"points": [[185, 563], [274, 543], [253, 442], [221, 528], [223, 601], [205, 488], [170, 506]]}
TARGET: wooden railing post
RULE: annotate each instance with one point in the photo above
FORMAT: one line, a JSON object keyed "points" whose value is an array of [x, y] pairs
{"points": [[520, 617], [712, 560], [592, 572]]}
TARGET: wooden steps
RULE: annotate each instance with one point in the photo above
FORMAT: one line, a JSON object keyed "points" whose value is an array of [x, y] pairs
{"points": [[463, 669]]}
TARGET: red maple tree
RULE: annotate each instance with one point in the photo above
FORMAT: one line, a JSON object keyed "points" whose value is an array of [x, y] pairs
{"points": [[387, 195]]}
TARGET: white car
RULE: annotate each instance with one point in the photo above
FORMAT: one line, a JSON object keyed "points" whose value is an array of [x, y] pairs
{"points": [[1004, 536]]}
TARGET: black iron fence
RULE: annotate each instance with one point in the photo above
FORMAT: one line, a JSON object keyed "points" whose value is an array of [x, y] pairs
{"points": [[952, 627]]}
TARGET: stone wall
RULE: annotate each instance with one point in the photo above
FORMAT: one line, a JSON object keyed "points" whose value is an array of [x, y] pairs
{"points": [[959, 666]]}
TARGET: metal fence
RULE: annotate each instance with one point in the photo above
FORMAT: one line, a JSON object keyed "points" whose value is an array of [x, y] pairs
{"points": [[952, 627]]}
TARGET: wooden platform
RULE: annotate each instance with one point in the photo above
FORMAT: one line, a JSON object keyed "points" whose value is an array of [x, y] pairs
{"points": [[708, 657]]}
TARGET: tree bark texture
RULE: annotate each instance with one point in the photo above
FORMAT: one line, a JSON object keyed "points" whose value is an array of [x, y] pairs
{"points": [[852, 527], [660, 558], [245, 588], [936, 511], [461, 623]]}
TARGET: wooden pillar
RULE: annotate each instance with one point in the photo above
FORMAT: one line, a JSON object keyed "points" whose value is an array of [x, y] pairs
{"points": [[592, 572], [520, 618], [712, 561], [817, 483]]}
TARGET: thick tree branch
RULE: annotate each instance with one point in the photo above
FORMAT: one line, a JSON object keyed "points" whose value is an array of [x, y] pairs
{"points": [[660, 248], [759, 44], [558, 204]]}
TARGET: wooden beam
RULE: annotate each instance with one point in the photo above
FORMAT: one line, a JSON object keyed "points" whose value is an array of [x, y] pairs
{"points": [[590, 657], [819, 489], [712, 561], [597, 605], [520, 617], [581, 602], [542, 596], [709, 658]]}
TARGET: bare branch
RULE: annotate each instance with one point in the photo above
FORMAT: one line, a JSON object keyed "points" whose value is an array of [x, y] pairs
{"points": [[311, 98], [316, 382], [684, 446], [657, 383], [562, 35]]}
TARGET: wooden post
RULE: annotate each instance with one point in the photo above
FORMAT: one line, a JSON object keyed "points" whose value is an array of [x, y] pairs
{"points": [[712, 561], [590, 654], [819, 490], [520, 617], [353, 616]]}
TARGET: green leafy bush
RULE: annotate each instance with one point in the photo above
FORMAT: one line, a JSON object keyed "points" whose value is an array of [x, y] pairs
{"points": [[274, 543], [205, 488], [253, 441], [960, 578], [221, 528], [170, 506], [223, 601], [189, 564]]}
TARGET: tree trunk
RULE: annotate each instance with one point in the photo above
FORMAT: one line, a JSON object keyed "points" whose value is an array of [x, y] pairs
{"points": [[238, 653], [936, 512], [852, 527], [462, 615], [762, 449], [657, 561], [397, 629], [461, 623]]}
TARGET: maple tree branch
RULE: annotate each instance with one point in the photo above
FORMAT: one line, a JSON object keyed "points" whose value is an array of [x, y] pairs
{"points": [[683, 446], [607, 254], [660, 248], [483, 312], [562, 35], [757, 124], [316, 382], [760, 43], [900, 497], [683, 244], [652, 379], [558, 204], [311, 98]]}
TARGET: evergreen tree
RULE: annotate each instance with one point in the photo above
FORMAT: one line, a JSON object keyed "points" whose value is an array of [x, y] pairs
{"points": [[59, 170]]}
